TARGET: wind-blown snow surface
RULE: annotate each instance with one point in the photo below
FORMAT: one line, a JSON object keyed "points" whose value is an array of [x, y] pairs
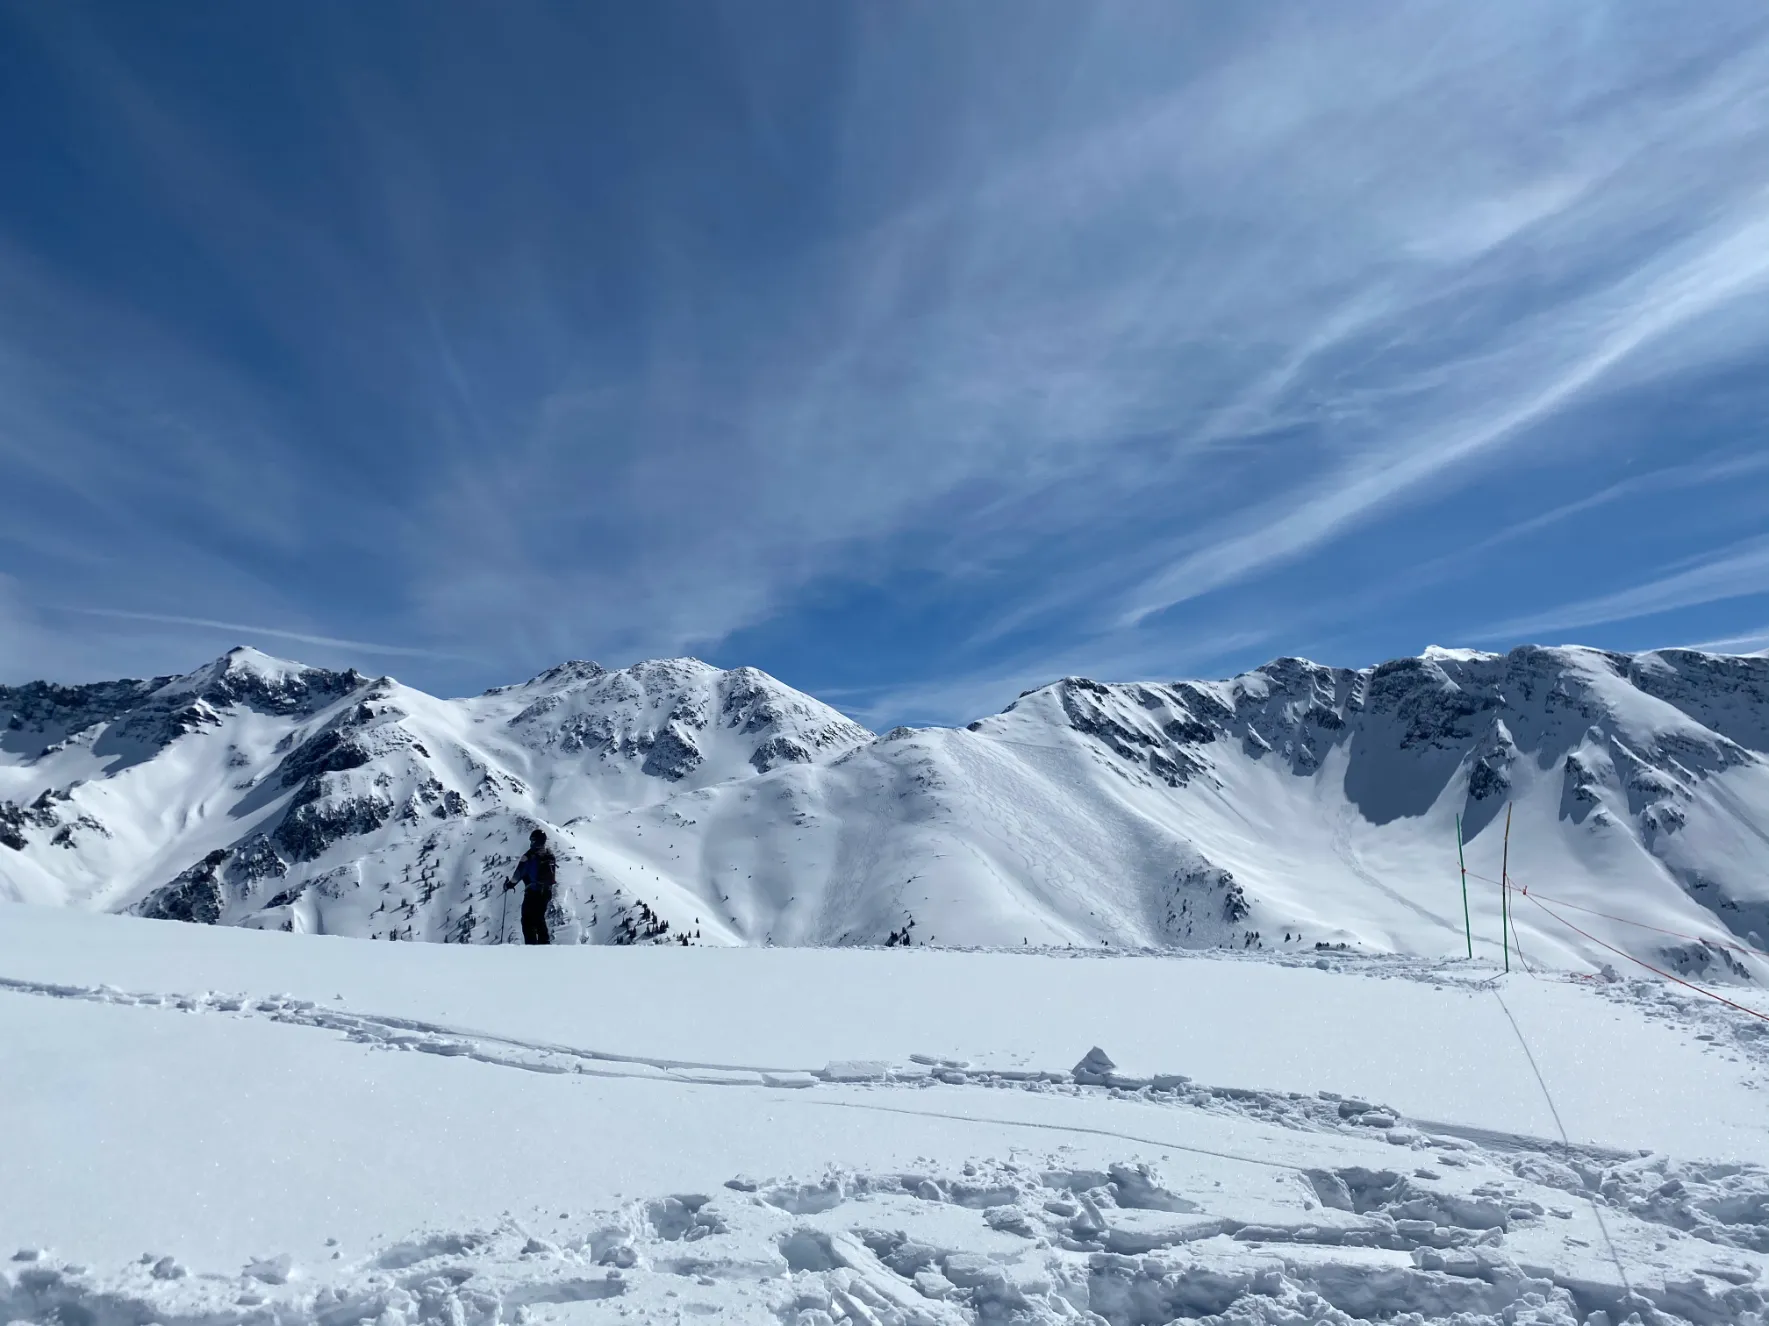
{"points": [[1294, 806], [203, 1126]]}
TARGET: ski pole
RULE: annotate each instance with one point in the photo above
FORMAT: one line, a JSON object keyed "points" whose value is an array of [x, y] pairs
{"points": [[504, 917]]}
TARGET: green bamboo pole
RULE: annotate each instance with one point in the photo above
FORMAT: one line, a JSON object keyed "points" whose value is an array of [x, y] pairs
{"points": [[1505, 888], [1462, 861]]}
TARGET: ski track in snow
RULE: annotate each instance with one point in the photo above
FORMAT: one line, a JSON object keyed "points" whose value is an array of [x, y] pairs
{"points": [[1343, 849], [1464, 1225]]}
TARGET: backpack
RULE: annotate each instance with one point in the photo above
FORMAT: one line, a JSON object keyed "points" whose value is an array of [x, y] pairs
{"points": [[536, 869]]}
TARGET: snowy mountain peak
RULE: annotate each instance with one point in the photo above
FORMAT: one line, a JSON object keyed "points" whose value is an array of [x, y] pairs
{"points": [[244, 658], [245, 676], [561, 674], [1440, 653], [680, 717]]}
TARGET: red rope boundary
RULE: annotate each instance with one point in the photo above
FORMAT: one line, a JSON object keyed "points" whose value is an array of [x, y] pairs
{"points": [[1640, 961], [1622, 920]]}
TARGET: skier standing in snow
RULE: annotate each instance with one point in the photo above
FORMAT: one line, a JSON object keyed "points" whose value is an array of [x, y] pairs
{"points": [[536, 870]]}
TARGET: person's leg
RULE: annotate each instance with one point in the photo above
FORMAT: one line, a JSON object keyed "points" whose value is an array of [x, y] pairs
{"points": [[528, 919], [542, 903]]}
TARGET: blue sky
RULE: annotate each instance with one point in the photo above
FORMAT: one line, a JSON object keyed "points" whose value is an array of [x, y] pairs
{"points": [[916, 353]]}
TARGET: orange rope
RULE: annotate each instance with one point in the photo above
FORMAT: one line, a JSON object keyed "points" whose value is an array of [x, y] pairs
{"points": [[1649, 967], [1592, 911], [1517, 943]]}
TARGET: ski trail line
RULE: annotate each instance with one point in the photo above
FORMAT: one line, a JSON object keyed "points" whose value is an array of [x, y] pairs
{"points": [[400, 1033]]}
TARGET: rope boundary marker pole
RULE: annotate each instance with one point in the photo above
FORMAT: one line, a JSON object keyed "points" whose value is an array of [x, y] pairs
{"points": [[1462, 861], [1505, 890]]}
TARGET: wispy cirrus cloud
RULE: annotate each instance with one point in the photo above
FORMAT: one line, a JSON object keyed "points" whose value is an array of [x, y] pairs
{"points": [[1601, 333], [1756, 641], [1069, 331], [1739, 571], [266, 632]]}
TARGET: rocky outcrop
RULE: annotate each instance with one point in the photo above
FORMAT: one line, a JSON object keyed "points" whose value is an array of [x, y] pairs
{"points": [[660, 716], [195, 895], [13, 819]]}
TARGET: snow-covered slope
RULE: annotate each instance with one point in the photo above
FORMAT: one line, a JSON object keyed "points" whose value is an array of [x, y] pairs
{"points": [[262, 792], [1294, 806], [207, 1126]]}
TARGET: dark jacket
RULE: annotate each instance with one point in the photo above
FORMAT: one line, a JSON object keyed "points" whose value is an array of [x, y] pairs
{"points": [[536, 869]]}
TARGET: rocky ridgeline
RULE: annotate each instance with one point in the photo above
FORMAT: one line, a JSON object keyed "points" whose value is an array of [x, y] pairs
{"points": [[1653, 727], [614, 715], [1440, 709], [366, 790], [354, 793], [141, 718], [1449, 712]]}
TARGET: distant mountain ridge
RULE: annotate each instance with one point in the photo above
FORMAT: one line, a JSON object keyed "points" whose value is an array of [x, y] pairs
{"points": [[1295, 805]]}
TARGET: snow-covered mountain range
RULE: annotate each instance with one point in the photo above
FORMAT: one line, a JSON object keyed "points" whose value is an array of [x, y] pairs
{"points": [[1296, 805]]}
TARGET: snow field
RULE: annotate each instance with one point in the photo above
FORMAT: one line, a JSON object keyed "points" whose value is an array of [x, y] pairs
{"points": [[208, 1125], [1426, 1037]]}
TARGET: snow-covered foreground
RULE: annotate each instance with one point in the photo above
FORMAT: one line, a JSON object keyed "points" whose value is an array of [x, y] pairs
{"points": [[210, 1125]]}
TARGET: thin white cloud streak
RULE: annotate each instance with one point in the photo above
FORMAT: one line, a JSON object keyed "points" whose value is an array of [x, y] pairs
{"points": [[1381, 596], [959, 699], [1727, 268], [1490, 222], [303, 637], [1658, 481], [1742, 571], [1751, 642]]}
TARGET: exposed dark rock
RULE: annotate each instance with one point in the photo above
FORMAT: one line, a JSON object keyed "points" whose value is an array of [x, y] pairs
{"points": [[314, 823], [673, 755], [776, 751], [1234, 900], [1704, 959], [1188, 729], [333, 750], [1490, 776], [753, 702], [256, 859], [1579, 794], [40, 814], [287, 897], [1430, 709], [195, 895], [65, 836], [12, 826]]}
